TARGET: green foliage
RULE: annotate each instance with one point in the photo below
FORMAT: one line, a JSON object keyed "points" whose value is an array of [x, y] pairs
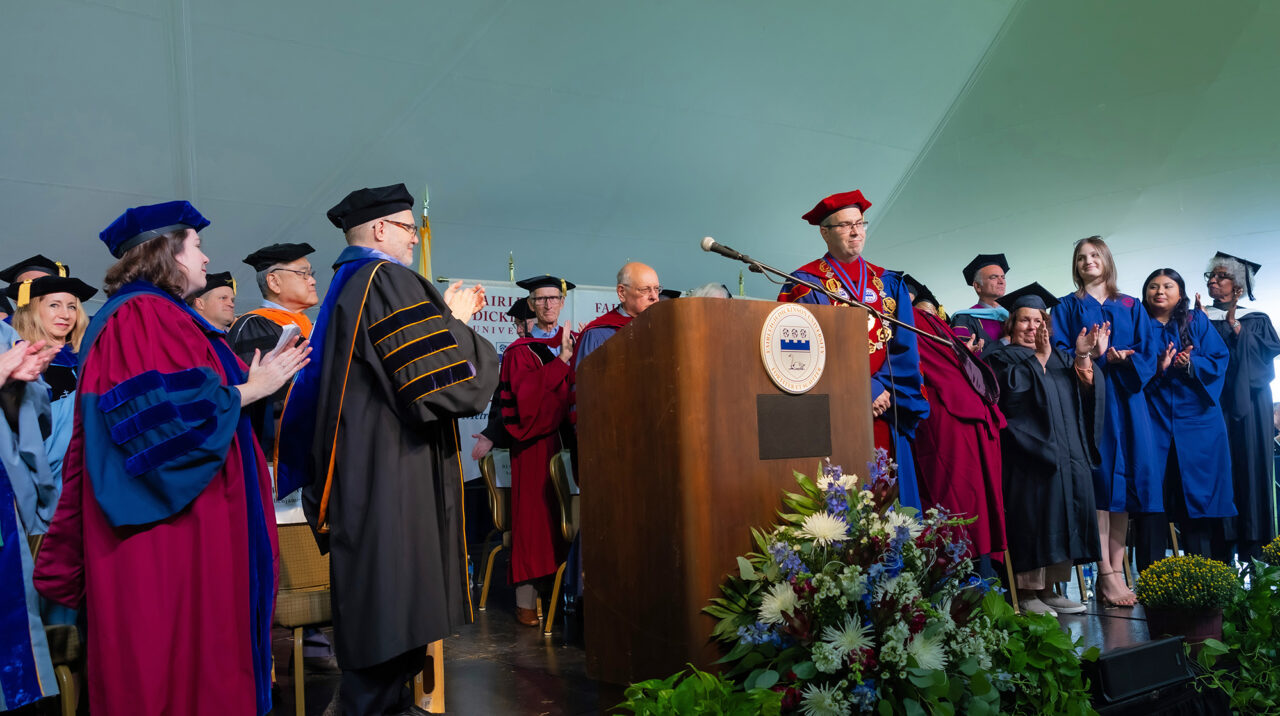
{"points": [[1187, 581], [698, 692], [1038, 670], [1245, 663]]}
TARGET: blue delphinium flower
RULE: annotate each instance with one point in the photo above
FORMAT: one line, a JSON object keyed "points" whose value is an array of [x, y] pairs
{"points": [[957, 550], [837, 499], [864, 695], [758, 633], [787, 558]]}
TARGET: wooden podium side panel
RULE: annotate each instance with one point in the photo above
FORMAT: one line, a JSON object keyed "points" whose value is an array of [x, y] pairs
{"points": [[672, 476]]}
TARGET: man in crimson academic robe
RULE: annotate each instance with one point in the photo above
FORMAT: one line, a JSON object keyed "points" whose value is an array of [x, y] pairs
{"points": [[638, 288], [535, 395], [494, 434], [957, 447], [370, 433], [288, 286], [897, 404], [985, 319]]}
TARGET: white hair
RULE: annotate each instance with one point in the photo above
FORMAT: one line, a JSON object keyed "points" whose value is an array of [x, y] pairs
{"points": [[710, 290]]}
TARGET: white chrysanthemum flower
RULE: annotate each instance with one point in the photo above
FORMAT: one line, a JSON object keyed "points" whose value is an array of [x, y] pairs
{"points": [[849, 637], [824, 528], [824, 701], [779, 599], [898, 519], [928, 652]]}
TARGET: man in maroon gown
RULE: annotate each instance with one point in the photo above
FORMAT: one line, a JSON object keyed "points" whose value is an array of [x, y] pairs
{"points": [[957, 447], [535, 390]]}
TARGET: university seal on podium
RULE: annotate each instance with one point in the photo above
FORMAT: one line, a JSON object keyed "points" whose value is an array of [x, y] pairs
{"points": [[793, 348]]}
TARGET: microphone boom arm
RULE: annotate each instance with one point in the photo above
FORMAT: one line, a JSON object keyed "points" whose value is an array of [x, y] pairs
{"points": [[761, 267]]}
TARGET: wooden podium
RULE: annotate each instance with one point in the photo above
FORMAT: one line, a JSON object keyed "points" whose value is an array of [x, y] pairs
{"points": [[685, 444]]}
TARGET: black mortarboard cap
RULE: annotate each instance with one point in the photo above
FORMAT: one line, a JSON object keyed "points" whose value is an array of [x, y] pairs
{"points": [[1032, 295], [36, 263], [971, 271], [546, 280], [368, 204], [667, 294], [23, 291], [1248, 278], [520, 310], [5, 306], [921, 291], [269, 256], [217, 280]]}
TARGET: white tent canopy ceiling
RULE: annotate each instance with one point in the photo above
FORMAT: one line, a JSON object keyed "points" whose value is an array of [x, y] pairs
{"points": [[579, 134]]}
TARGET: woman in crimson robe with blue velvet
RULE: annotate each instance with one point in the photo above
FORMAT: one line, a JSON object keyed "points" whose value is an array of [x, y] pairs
{"points": [[163, 535], [1129, 478]]}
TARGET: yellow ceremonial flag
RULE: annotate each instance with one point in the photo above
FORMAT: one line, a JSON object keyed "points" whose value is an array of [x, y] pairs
{"points": [[424, 234]]}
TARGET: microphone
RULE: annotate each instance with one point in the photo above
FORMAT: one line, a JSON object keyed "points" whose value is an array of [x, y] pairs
{"points": [[710, 244]]}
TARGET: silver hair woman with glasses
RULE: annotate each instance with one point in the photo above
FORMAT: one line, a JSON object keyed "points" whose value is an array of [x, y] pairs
{"points": [[1246, 399]]}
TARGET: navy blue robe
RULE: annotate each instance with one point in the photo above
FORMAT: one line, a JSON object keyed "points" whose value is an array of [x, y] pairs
{"points": [[1130, 477], [1187, 418]]}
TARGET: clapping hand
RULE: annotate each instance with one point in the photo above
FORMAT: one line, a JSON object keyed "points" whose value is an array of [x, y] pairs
{"points": [[1119, 356], [25, 361], [1043, 347], [1092, 340], [1166, 357], [1183, 359], [974, 343], [464, 302], [566, 344], [269, 373], [1199, 306]]}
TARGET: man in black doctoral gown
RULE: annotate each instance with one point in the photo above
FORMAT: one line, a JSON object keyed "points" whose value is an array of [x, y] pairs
{"points": [[1047, 452], [370, 428]]}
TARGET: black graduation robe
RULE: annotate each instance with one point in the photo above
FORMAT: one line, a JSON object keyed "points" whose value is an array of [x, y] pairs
{"points": [[398, 370], [1048, 458], [248, 333], [1246, 407]]}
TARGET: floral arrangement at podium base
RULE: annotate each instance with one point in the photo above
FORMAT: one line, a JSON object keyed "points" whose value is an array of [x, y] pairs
{"points": [[854, 604], [1184, 596]]}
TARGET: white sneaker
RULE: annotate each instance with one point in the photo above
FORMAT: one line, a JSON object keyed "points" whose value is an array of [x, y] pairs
{"points": [[1062, 605], [1035, 606]]}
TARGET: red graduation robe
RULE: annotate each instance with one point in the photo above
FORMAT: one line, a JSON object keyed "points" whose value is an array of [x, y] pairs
{"points": [[535, 394], [167, 605], [957, 447]]}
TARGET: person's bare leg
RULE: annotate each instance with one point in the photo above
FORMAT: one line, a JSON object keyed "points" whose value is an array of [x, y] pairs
{"points": [[1112, 528]]}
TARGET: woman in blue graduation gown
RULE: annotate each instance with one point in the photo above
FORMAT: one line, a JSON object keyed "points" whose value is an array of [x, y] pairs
{"points": [[1246, 400], [1128, 479], [1187, 417]]}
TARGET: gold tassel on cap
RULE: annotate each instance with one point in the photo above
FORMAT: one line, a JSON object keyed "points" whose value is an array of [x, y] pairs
{"points": [[63, 269], [24, 293]]}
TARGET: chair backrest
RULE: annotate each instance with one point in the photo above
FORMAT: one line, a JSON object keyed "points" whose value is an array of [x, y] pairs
{"points": [[499, 497], [301, 564], [566, 494]]}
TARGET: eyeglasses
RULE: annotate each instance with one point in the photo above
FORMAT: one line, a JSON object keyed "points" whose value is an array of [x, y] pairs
{"points": [[546, 300], [849, 225], [1217, 276], [645, 290], [411, 228], [310, 273]]}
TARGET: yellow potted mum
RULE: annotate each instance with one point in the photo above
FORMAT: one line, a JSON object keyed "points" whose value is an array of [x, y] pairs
{"points": [[1184, 596]]}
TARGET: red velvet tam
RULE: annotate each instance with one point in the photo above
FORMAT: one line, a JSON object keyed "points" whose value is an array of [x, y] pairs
{"points": [[835, 203]]}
